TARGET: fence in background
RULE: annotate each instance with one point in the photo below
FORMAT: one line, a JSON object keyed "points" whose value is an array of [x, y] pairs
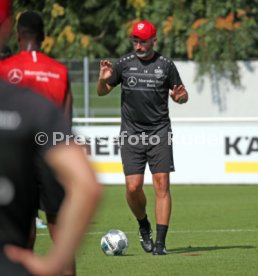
{"points": [[83, 76], [234, 101]]}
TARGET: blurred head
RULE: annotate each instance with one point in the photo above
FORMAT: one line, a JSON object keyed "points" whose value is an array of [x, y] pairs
{"points": [[143, 37], [5, 52], [30, 27], [5, 20]]}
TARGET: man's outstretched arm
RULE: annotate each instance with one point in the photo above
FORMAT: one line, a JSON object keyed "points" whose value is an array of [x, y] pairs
{"points": [[105, 72]]}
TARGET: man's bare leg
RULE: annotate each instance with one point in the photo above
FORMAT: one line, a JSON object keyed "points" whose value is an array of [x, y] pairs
{"points": [[162, 210], [136, 200]]}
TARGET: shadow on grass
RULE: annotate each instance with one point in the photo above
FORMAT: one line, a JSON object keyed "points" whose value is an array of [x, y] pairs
{"points": [[194, 251]]}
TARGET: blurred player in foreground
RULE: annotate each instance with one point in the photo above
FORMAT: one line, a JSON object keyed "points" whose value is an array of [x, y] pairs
{"points": [[146, 78], [23, 114], [5, 52], [33, 69]]}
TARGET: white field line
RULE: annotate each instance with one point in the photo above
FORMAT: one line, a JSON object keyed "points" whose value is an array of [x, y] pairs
{"points": [[179, 231]]}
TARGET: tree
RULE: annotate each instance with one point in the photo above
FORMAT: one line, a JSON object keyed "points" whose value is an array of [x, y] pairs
{"points": [[213, 33]]}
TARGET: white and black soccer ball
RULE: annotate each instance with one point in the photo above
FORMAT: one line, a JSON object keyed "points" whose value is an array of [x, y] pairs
{"points": [[114, 243]]}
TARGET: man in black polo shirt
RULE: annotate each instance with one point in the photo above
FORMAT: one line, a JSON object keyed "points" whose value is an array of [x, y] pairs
{"points": [[28, 123], [146, 78]]}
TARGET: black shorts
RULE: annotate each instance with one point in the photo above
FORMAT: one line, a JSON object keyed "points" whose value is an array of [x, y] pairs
{"points": [[8, 268], [156, 149], [51, 193]]}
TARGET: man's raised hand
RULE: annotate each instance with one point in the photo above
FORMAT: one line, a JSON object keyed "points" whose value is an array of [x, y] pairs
{"points": [[179, 94]]}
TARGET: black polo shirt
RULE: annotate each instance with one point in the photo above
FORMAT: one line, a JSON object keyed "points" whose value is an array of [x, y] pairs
{"points": [[145, 91]]}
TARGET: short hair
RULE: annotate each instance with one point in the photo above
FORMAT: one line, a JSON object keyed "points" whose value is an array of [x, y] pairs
{"points": [[5, 52], [30, 24]]}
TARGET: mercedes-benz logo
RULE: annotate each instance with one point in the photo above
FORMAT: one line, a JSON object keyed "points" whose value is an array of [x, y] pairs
{"points": [[15, 76], [131, 81]]}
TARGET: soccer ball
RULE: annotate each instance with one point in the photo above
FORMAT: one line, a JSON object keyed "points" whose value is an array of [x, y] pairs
{"points": [[114, 243]]}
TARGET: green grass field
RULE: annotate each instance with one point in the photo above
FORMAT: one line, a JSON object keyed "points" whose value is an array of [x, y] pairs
{"points": [[214, 231]]}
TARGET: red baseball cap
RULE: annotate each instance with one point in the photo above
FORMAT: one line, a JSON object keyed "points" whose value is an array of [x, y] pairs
{"points": [[144, 30], [5, 10]]}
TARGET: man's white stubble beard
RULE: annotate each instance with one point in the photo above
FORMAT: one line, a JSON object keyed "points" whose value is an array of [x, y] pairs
{"points": [[145, 54]]}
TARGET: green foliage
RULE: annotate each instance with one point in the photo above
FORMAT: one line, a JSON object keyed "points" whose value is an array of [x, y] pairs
{"points": [[214, 33]]}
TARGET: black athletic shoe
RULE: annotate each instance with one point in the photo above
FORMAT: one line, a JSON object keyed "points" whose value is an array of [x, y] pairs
{"points": [[145, 236], [159, 249]]}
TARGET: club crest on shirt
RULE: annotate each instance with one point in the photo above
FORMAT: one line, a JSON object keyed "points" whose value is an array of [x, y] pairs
{"points": [[158, 73]]}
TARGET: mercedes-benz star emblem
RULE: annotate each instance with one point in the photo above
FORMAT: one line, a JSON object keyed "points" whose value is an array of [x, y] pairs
{"points": [[131, 81], [15, 76]]}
